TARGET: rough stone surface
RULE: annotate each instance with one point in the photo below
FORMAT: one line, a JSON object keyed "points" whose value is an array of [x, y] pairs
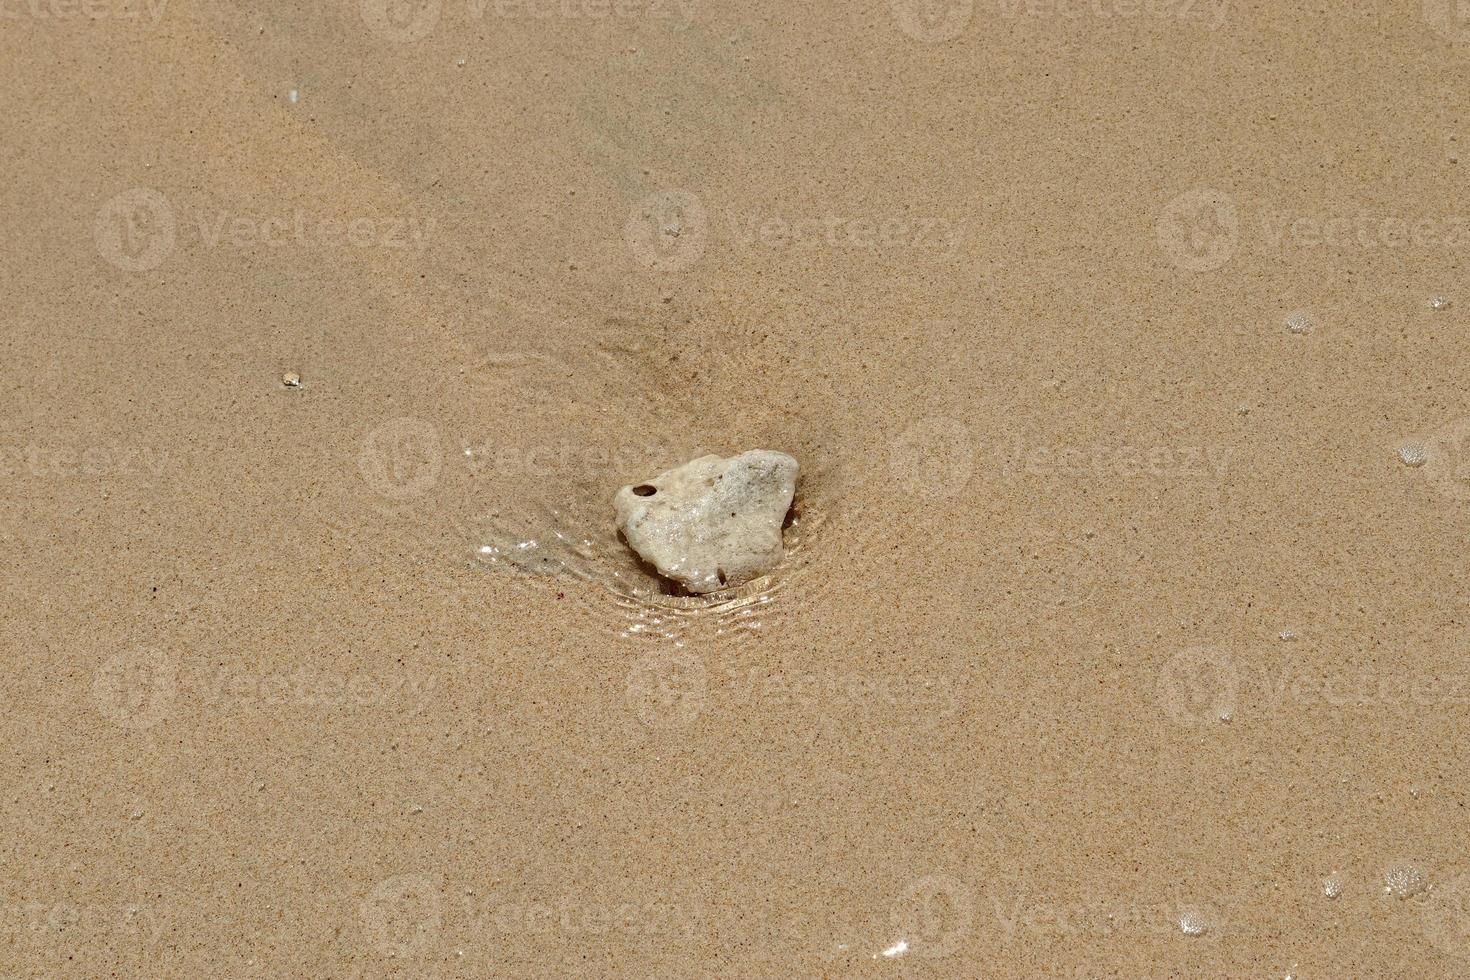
{"points": [[711, 523]]}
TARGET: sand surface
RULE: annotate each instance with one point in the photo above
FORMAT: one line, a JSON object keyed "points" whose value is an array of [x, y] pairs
{"points": [[1115, 639]]}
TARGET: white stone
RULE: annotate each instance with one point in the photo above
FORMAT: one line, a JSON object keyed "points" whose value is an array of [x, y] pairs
{"points": [[711, 523]]}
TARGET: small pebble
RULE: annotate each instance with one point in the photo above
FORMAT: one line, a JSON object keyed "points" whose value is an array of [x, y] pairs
{"points": [[1413, 454], [1403, 880], [1299, 321], [712, 522], [1192, 924], [1440, 302], [1332, 886], [291, 379]]}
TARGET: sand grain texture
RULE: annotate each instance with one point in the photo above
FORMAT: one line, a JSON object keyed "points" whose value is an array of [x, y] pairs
{"points": [[1013, 287]]}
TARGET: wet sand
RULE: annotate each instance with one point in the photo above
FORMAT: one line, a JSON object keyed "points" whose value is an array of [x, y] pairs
{"points": [[1123, 620]]}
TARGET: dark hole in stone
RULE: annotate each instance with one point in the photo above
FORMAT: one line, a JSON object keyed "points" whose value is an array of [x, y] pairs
{"points": [[645, 490], [721, 573]]}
